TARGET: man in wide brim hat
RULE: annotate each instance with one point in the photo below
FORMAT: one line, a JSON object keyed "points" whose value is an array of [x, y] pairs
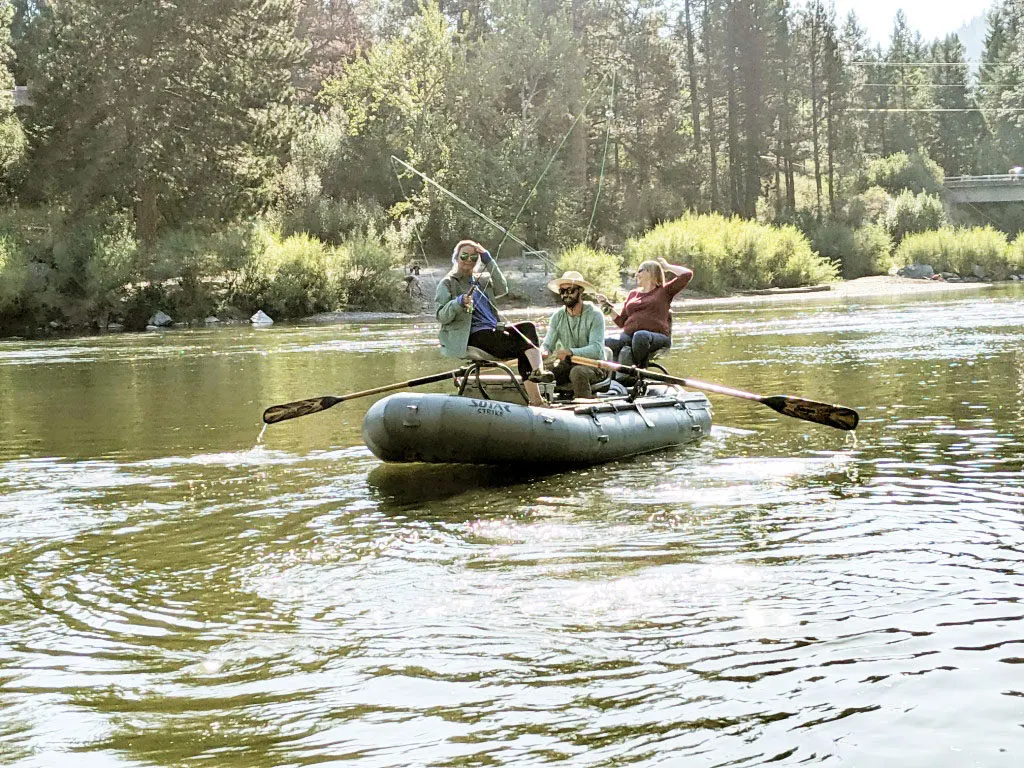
{"points": [[576, 328], [572, 277]]}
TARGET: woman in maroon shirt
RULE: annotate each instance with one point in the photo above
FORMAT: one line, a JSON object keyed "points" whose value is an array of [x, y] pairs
{"points": [[645, 319]]}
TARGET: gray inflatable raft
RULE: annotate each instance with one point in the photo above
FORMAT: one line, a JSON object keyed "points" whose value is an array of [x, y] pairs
{"points": [[441, 428]]}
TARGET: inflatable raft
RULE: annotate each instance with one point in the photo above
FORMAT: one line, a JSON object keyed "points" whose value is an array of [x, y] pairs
{"points": [[440, 428]]}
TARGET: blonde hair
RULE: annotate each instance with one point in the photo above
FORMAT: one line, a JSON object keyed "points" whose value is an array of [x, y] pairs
{"points": [[655, 269]]}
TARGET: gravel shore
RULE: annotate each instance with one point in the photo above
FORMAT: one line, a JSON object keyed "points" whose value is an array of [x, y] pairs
{"points": [[529, 295]]}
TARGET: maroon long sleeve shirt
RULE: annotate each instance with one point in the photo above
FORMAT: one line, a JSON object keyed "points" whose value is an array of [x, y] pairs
{"points": [[650, 311]]}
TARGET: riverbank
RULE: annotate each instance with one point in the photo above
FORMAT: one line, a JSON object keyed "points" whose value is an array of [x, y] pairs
{"points": [[529, 295]]}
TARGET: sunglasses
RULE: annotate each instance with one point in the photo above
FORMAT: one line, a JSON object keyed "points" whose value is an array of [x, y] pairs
{"points": [[468, 256], [568, 290]]}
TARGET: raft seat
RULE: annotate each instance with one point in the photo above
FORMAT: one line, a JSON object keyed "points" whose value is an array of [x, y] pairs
{"points": [[479, 361]]}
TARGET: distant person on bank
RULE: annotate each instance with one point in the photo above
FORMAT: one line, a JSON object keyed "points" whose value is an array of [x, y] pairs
{"points": [[469, 318], [576, 328], [645, 317]]}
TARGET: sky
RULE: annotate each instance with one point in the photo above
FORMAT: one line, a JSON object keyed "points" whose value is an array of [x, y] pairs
{"points": [[932, 18]]}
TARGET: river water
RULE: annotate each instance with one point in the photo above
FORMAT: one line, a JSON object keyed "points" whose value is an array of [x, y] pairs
{"points": [[173, 593]]}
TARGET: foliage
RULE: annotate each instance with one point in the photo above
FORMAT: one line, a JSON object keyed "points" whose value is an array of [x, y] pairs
{"points": [[862, 251], [12, 135], [600, 268], [910, 213], [901, 171], [868, 207], [94, 260], [959, 250], [14, 275], [175, 111], [733, 254], [371, 278], [291, 276], [566, 123]]}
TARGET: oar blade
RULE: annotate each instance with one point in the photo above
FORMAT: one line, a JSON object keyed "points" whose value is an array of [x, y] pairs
{"points": [[836, 416], [278, 413]]}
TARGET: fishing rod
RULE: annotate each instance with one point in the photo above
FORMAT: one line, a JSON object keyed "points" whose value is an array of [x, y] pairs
{"points": [[508, 235]]}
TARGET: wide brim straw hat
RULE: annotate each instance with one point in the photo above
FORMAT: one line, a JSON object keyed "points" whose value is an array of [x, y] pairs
{"points": [[571, 277]]}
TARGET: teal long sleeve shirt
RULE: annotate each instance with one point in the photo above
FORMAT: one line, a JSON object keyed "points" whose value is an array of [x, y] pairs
{"points": [[583, 335], [454, 319]]}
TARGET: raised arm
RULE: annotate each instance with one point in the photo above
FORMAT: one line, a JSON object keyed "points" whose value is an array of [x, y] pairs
{"points": [[681, 276], [499, 284]]}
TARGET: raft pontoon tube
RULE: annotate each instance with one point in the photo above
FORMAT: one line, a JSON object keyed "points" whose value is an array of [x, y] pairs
{"points": [[440, 428]]}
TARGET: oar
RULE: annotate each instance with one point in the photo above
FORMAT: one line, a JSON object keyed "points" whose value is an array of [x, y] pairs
{"points": [[276, 413], [837, 416]]}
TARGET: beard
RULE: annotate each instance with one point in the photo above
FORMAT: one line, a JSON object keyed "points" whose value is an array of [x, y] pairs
{"points": [[572, 300]]}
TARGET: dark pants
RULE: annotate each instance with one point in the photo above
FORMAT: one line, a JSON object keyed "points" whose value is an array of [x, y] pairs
{"points": [[506, 343], [580, 376], [636, 349]]}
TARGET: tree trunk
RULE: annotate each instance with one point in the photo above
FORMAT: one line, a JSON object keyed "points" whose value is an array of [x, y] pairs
{"points": [[731, 118], [147, 213], [691, 65], [815, 112], [710, 90]]}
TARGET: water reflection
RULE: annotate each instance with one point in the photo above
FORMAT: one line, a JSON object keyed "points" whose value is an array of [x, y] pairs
{"points": [[171, 594], [397, 485]]}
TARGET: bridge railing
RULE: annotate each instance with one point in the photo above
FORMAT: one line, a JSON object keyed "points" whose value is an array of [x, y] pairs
{"points": [[992, 179]]}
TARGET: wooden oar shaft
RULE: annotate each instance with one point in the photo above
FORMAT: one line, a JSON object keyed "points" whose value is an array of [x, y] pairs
{"points": [[836, 416], [631, 370], [278, 413]]}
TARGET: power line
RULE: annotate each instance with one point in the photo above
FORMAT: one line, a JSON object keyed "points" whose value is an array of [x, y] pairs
{"points": [[866, 62], [937, 109], [932, 85]]}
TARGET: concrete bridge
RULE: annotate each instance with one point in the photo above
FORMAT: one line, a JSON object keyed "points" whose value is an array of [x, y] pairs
{"points": [[994, 188]]}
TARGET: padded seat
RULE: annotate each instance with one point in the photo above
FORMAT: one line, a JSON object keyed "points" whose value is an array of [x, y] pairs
{"points": [[479, 360], [477, 355]]}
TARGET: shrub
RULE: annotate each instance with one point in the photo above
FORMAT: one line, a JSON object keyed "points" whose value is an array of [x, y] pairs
{"points": [[958, 250], [187, 261], [909, 213], [291, 277], [901, 171], [371, 279], [869, 207], [598, 267], [730, 254], [95, 261], [871, 255], [862, 251], [14, 276]]}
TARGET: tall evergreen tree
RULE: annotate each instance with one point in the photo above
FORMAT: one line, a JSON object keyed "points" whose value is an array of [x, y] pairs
{"points": [[171, 110]]}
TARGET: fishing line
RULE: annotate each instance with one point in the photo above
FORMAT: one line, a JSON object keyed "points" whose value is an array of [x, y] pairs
{"points": [[604, 158], [462, 202], [554, 154], [415, 228]]}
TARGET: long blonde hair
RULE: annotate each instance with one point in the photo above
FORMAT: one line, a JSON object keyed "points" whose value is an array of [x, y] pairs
{"points": [[655, 269]]}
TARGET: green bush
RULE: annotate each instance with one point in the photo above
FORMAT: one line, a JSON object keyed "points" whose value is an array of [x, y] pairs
{"points": [[15, 276], [373, 277], [733, 254], [909, 213], [959, 250], [901, 171], [869, 207], [599, 267], [862, 251], [291, 277], [94, 262], [872, 252]]}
